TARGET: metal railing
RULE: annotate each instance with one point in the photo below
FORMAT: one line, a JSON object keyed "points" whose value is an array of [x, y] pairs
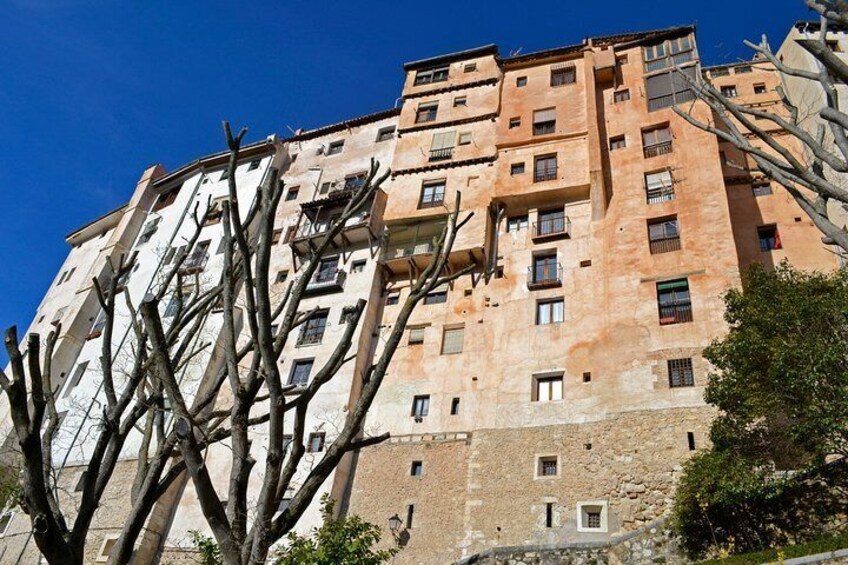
{"points": [[675, 313], [660, 194], [665, 245], [310, 338], [548, 173], [657, 149], [401, 250], [559, 225], [328, 279], [441, 154], [544, 275], [194, 263]]}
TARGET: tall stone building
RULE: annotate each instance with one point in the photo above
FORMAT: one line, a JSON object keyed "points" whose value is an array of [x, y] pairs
{"points": [[549, 397]]}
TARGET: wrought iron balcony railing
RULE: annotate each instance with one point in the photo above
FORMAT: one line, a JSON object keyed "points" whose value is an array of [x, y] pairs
{"points": [[549, 173], [441, 154], [552, 227], [675, 313], [657, 149], [544, 276]]}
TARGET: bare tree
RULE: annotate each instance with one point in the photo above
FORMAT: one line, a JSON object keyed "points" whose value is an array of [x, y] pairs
{"points": [[136, 397], [812, 179]]}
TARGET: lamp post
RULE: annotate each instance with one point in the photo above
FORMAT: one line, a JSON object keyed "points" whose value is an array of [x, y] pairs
{"points": [[394, 526]]}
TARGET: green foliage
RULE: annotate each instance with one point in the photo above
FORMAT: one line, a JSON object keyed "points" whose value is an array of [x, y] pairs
{"points": [[821, 545], [782, 371], [10, 487], [348, 540], [210, 553], [781, 387]]}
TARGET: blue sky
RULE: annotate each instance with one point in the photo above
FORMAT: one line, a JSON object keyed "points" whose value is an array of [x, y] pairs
{"points": [[92, 92]]}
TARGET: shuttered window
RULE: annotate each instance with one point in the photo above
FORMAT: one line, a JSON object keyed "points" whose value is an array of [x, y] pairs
{"points": [[563, 74], [667, 89], [544, 121], [443, 140], [416, 335], [452, 340]]}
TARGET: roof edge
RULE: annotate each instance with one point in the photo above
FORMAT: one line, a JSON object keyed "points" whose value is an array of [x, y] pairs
{"points": [[95, 221], [345, 124], [488, 49]]}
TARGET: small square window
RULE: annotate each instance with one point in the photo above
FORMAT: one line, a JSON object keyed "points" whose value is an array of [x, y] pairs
{"points": [[417, 469], [470, 67], [292, 193], [392, 298], [547, 466], [225, 174], [460, 101], [680, 373], [316, 442], [563, 74], [759, 88], [357, 266], [769, 238], [587, 377], [420, 406], [282, 276], [742, 69], [592, 516], [621, 96], [514, 123], [550, 311], [465, 138], [335, 147], [729, 91], [106, 549], [761, 188], [436, 297], [521, 82], [547, 388], [517, 223], [300, 372], [516, 169], [254, 165], [617, 142], [416, 335], [385, 134]]}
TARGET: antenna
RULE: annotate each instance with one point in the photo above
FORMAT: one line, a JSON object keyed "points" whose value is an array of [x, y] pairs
{"points": [[515, 52]]}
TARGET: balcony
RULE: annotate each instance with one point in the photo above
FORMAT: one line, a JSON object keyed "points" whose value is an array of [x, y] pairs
{"points": [[541, 175], [318, 216], [658, 149], [330, 280], [309, 338], [546, 275], [675, 313], [444, 154], [194, 263], [665, 245], [549, 228]]}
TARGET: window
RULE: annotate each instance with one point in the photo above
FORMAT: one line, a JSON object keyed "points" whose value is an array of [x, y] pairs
{"points": [[335, 147], [170, 196], [313, 329], [723, 72], [563, 74], [769, 238], [547, 466], [416, 335], [742, 69], [393, 298], [62, 278], [729, 91], [621, 96], [545, 168], [292, 193], [410, 512], [354, 182], [759, 88], [327, 271], [75, 378], [587, 377], [385, 134], [106, 548], [316, 442], [521, 82], [287, 441], [667, 89], [617, 142], [225, 174], [417, 469], [99, 324], [690, 439], [420, 406], [222, 244], [550, 311], [325, 187], [760, 188], [454, 411], [426, 112], [300, 372], [5, 520], [659, 186], [545, 271], [60, 313], [357, 266], [544, 121], [516, 223], [656, 141], [516, 169], [452, 340], [254, 165], [549, 514], [81, 481], [460, 101], [514, 123], [674, 302], [465, 138], [592, 516], [282, 276], [680, 373], [149, 230], [432, 194], [441, 148], [551, 222], [431, 76], [470, 67], [436, 297], [276, 235], [668, 53], [663, 235], [547, 388]]}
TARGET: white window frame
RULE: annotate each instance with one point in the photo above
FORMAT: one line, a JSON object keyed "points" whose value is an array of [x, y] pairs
{"points": [[537, 466], [538, 378], [604, 507]]}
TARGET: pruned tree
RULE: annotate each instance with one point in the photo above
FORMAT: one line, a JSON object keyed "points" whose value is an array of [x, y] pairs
{"points": [[256, 327], [814, 179]]}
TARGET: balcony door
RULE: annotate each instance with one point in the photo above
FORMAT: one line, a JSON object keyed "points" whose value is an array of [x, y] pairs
{"points": [[551, 222], [544, 268]]}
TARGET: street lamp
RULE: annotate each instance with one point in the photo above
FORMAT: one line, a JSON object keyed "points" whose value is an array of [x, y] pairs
{"points": [[394, 523]]}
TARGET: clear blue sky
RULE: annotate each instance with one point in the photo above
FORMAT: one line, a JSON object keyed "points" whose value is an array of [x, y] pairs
{"points": [[94, 91]]}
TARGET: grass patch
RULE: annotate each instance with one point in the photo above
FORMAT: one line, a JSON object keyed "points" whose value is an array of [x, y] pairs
{"points": [[819, 545]]}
